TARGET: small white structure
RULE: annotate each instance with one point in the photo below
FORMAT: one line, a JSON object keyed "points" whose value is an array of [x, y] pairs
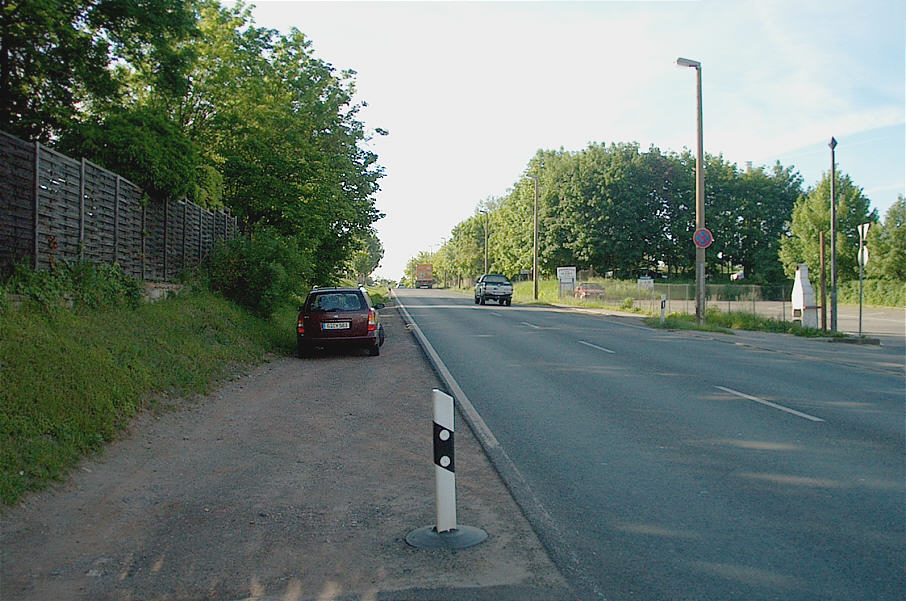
{"points": [[805, 306]]}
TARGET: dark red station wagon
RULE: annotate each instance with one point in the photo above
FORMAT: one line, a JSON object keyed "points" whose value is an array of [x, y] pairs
{"points": [[339, 317]]}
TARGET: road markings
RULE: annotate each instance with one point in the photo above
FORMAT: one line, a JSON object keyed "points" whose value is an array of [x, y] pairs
{"points": [[770, 404], [600, 348], [531, 325]]}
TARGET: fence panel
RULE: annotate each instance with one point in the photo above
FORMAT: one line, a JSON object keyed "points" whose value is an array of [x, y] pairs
{"points": [[129, 229], [17, 177], [100, 195], [54, 208], [58, 228]]}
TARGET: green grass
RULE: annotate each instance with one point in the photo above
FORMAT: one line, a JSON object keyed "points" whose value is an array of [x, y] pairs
{"points": [[716, 321], [881, 293], [70, 379], [619, 295]]}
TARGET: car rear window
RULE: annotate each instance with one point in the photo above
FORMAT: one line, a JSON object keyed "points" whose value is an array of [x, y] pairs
{"points": [[338, 301], [496, 279]]}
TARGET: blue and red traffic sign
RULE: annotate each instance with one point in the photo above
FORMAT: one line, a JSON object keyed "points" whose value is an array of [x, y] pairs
{"points": [[703, 237]]}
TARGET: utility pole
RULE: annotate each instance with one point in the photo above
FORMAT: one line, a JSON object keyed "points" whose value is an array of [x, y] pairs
{"points": [[833, 204], [699, 192], [535, 245], [487, 224]]}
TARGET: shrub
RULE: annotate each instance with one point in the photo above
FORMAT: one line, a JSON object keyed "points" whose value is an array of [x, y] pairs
{"points": [[886, 293], [261, 272], [92, 285]]}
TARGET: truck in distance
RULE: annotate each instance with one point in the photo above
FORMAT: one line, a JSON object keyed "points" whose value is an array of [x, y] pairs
{"points": [[493, 286], [424, 275]]}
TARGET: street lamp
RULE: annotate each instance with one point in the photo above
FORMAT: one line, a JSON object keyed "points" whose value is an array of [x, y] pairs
{"points": [[444, 248], [535, 245], [486, 226], [699, 194], [833, 207]]}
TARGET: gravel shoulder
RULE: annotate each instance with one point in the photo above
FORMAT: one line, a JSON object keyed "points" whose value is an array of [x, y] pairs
{"points": [[298, 481]]}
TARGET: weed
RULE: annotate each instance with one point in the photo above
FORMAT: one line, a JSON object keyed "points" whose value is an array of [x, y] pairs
{"points": [[70, 379]]}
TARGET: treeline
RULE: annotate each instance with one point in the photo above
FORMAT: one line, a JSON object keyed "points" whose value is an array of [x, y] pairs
{"points": [[627, 211], [189, 99]]}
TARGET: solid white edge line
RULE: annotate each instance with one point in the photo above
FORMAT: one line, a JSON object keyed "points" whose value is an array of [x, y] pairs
{"points": [[595, 346], [770, 404], [457, 392], [515, 482]]}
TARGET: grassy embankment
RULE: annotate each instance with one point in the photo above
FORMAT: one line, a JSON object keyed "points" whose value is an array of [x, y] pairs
{"points": [[623, 294], [71, 378]]}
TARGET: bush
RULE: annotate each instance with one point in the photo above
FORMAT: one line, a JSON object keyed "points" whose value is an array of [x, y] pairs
{"points": [[86, 284], [885, 293], [261, 272], [71, 379]]}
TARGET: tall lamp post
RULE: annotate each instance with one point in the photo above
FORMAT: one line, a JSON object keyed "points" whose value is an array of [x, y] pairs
{"points": [[444, 248], [833, 228], [486, 227], [535, 245], [699, 194]]}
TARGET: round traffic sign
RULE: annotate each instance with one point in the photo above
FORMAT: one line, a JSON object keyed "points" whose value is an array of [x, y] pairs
{"points": [[702, 237]]}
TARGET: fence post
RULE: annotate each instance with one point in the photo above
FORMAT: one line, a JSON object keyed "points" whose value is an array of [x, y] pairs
{"points": [[35, 203], [144, 256], [82, 211], [185, 224], [200, 232], [166, 235], [116, 220]]}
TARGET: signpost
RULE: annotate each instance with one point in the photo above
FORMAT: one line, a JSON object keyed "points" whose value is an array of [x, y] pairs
{"points": [[863, 260], [567, 278], [703, 237]]}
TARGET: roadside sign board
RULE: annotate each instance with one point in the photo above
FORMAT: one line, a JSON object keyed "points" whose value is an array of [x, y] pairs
{"points": [[566, 274], [703, 237]]}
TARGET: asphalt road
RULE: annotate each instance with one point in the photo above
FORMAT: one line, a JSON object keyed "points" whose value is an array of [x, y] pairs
{"points": [[686, 465]]}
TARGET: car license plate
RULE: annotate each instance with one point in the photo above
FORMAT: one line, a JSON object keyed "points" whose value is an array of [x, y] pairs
{"points": [[335, 325]]}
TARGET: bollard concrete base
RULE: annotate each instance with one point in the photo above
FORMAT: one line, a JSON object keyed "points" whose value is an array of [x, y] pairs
{"points": [[461, 537]]}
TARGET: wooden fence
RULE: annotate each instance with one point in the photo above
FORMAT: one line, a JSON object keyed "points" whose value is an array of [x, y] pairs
{"points": [[54, 208]]}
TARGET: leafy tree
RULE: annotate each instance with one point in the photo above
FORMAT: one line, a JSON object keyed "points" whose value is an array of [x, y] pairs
{"points": [[812, 215], [750, 215], [367, 256], [887, 244], [281, 127], [143, 145], [59, 57]]}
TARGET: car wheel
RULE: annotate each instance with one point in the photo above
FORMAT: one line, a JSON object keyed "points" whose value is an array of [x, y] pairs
{"points": [[509, 302], [476, 300], [303, 351]]}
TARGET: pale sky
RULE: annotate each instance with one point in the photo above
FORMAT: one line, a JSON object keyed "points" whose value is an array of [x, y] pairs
{"points": [[469, 91]]}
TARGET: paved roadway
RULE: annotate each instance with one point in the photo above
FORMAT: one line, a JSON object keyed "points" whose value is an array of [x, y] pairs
{"points": [[688, 465]]}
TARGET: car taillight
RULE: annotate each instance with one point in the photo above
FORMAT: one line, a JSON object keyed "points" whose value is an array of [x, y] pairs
{"points": [[372, 320], [300, 327]]}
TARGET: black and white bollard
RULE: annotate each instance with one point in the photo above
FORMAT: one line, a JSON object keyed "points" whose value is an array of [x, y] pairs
{"points": [[445, 533]]}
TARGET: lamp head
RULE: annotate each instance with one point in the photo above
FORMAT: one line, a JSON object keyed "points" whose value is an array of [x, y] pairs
{"points": [[685, 62]]}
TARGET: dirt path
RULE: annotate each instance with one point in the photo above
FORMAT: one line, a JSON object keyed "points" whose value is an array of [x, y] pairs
{"points": [[297, 482]]}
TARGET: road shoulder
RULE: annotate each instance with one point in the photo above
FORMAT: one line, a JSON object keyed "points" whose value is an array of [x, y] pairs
{"points": [[299, 481]]}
